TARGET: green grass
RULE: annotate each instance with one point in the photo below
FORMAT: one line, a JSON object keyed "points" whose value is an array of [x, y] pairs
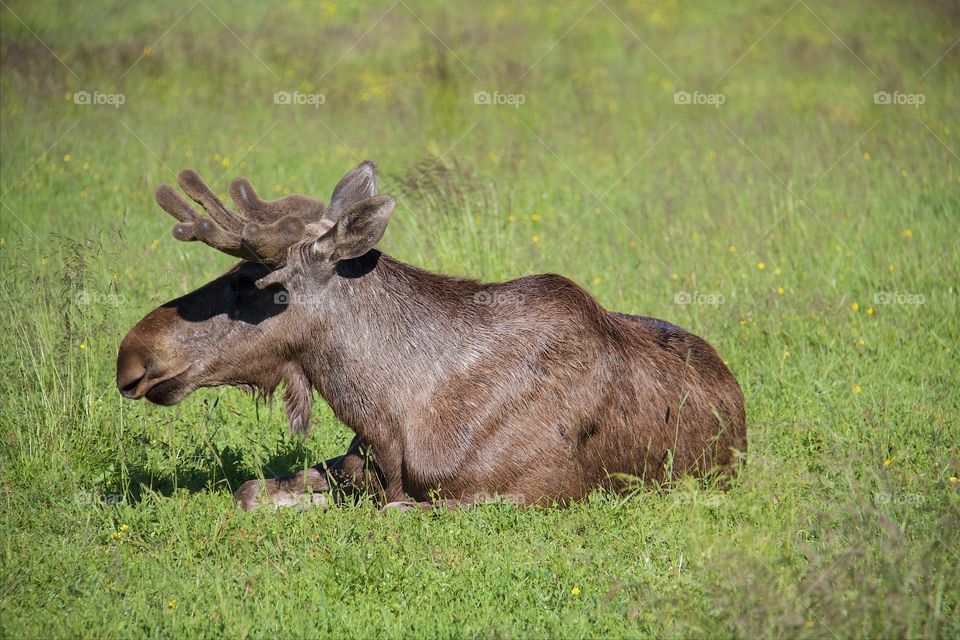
{"points": [[846, 519]]}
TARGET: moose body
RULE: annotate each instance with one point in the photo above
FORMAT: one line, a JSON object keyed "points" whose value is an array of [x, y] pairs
{"points": [[457, 390]]}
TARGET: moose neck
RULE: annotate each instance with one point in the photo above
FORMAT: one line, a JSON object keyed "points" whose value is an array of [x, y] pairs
{"points": [[388, 335]]}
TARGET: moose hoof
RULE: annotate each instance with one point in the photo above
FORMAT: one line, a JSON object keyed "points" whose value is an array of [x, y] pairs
{"points": [[255, 494]]}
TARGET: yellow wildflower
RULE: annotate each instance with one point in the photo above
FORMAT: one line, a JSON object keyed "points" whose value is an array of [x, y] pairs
{"points": [[761, 266], [575, 591]]}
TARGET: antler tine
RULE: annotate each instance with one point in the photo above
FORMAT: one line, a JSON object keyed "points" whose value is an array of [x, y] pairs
{"points": [[255, 209], [263, 231], [194, 226], [197, 189], [172, 203]]}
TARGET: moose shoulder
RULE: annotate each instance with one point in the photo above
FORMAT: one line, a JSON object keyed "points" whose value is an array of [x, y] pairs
{"points": [[456, 389]]}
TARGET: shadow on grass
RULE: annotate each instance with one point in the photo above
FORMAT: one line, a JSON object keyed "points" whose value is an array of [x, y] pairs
{"points": [[213, 471]]}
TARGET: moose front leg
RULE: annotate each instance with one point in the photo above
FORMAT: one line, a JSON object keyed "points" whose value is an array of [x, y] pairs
{"points": [[303, 490], [350, 475], [389, 455]]}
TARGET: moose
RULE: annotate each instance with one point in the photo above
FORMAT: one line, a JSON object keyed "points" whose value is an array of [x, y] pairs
{"points": [[457, 390]]}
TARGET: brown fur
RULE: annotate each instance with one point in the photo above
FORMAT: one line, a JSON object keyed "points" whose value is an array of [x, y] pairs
{"points": [[457, 390]]}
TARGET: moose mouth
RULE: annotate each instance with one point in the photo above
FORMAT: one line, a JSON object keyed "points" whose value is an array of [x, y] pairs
{"points": [[168, 392]]}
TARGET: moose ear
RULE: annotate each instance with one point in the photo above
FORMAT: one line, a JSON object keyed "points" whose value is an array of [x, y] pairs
{"points": [[360, 227], [359, 184]]}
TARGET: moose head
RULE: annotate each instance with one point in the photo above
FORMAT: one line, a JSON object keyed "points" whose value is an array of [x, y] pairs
{"points": [[240, 329]]}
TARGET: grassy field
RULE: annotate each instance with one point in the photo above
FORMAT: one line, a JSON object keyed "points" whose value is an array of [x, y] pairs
{"points": [[730, 168]]}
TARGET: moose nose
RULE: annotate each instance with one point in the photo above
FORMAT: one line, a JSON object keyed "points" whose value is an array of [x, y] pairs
{"points": [[130, 371]]}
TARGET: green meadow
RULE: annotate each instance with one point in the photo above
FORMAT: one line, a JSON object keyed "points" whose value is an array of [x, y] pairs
{"points": [[781, 178]]}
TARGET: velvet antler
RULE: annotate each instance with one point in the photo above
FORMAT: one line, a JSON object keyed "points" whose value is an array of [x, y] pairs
{"points": [[263, 230]]}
